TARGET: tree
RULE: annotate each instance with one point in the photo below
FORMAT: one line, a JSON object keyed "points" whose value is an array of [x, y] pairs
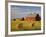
{"points": [[37, 18]]}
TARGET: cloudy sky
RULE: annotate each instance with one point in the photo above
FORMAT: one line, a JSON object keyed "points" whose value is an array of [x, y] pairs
{"points": [[21, 11]]}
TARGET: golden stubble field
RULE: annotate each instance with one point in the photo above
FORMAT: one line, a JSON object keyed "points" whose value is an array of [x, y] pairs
{"points": [[25, 25]]}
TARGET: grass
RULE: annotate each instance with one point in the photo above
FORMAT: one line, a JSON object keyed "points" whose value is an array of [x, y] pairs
{"points": [[25, 25]]}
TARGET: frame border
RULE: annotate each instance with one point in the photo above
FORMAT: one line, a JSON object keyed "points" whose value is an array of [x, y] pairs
{"points": [[6, 17]]}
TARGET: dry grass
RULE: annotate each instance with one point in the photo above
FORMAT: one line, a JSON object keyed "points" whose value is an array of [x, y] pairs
{"points": [[34, 25]]}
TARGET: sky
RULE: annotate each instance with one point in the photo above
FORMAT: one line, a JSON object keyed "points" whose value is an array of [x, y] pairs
{"points": [[22, 11]]}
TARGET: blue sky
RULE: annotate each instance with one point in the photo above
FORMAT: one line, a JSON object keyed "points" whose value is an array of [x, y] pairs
{"points": [[21, 11]]}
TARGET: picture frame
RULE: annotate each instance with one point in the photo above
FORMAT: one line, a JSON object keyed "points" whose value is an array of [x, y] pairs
{"points": [[24, 7]]}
